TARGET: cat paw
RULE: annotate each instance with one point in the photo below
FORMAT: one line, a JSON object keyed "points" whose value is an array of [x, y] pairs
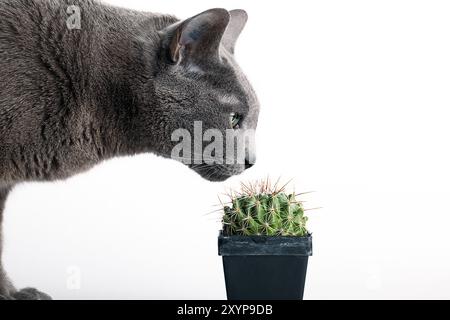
{"points": [[30, 294]]}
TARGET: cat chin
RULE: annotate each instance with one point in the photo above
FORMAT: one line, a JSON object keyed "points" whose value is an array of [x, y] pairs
{"points": [[213, 173], [216, 177]]}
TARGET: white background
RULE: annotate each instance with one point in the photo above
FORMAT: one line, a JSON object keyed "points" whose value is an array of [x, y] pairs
{"points": [[355, 99]]}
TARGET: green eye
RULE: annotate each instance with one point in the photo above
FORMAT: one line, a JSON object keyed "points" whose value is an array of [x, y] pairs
{"points": [[235, 119]]}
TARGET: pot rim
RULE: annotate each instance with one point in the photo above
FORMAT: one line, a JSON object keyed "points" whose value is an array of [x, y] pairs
{"points": [[264, 245]]}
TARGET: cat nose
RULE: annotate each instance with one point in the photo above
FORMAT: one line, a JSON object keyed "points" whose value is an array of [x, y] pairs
{"points": [[248, 165]]}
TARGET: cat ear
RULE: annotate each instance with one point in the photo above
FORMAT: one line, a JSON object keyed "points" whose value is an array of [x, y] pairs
{"points": [[199, 37], [238, 19]]}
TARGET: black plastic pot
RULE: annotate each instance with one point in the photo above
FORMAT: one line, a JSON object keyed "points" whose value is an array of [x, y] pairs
{"points": [[265, 268]]}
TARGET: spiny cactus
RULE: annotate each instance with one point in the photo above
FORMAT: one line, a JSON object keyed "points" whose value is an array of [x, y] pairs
{"points": [[260, 209]]}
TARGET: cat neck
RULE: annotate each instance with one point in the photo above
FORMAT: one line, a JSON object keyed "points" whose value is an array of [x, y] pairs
{"points": [[120, 87]]}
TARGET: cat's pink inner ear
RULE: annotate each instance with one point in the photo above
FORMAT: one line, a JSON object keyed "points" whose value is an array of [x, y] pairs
{"points": [[175, 47], [238, 20], [199, 36]]}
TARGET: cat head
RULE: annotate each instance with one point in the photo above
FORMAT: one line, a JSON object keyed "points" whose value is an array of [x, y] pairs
{"points": [[202, 92]]}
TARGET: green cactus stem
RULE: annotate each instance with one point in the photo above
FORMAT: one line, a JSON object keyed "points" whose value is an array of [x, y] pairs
{"points": [[259, 209]]}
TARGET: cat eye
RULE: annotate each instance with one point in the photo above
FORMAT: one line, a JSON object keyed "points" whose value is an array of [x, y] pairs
{"points": [[235, 119]]}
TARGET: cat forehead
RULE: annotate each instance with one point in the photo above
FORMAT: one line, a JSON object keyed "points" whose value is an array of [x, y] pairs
{"points": [[226, 60], [224, 80], [228, 98]]}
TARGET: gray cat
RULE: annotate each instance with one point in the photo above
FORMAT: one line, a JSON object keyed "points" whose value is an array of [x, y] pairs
{"points": [[118, 83]]}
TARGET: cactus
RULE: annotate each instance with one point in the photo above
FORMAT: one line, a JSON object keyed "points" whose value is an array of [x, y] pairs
{"points": [[260, 209]]}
